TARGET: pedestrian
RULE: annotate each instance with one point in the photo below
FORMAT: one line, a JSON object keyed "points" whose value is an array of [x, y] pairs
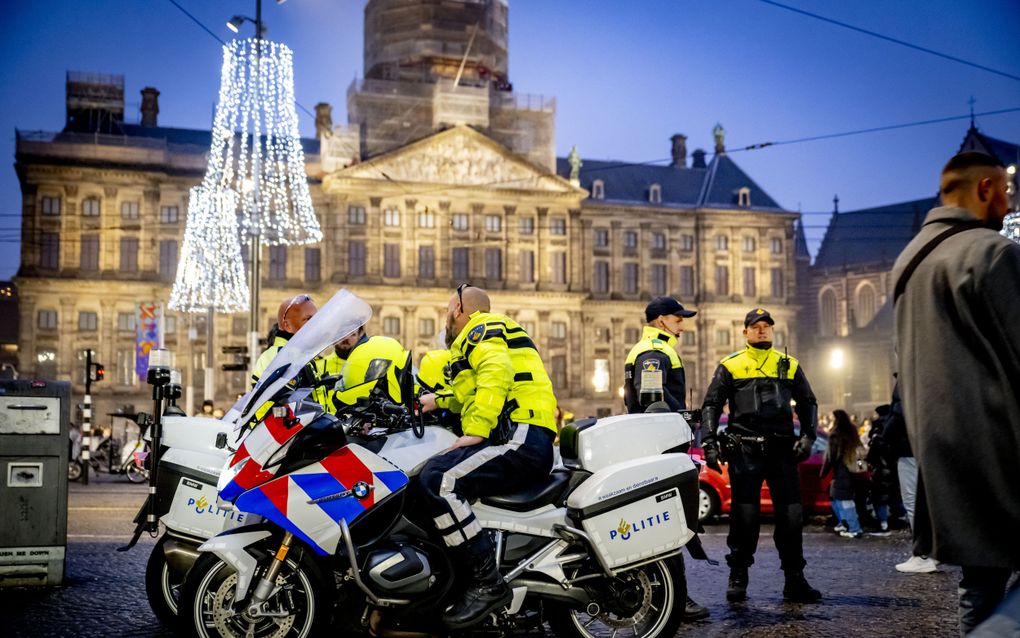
{"points": [[844, 458], [883, 485], [508, 421], [653, 371], [761, 444], [957, 315], [206, 409]]}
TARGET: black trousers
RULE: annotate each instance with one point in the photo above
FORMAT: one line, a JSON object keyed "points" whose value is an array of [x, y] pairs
{"points": [[749, 465], [449, 482], [981, 591]]}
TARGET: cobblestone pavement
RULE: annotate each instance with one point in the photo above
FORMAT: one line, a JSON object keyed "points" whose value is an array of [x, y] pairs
{"points": [[104, 593]]}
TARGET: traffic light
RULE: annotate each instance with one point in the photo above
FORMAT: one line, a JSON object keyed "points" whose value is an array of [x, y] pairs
{"points": [[98, 373], [240, 360]]}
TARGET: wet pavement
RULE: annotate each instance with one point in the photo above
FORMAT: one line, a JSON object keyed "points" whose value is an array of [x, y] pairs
{"points": [[864, 595]]}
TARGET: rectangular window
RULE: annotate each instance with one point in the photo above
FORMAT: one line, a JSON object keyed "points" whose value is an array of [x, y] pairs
{"points": [[527, 264], [601, 237], [47, 320], [750, 285], [125, 322], [722, 337], [600, 277], [493, 264], [91, 207], [631, 335], [529, 327], [630, 278], [687, 243], [391, 326], [629, 239], [527, 225], [688, 339], [49, 256], [89, 252], [558, 263], [658, 279], [356, 215], [391, 217], [239, 326], [126, 368], [558, 226], [128, 254], [658, 241], [170, 326], [129, 210], [426, 262], [722, 242], [493, 223], [600, 378], [88, 321], [51, 206], [558, 330], [461, 264], [749, 244], [426, 327], [777, 246], [722, 280], [776, 287], [277, 263], [355, 257], [313, 264], [169, 214], [168, 258], [686, 281], [558, 373], [460, 221], [391, 260], [426, 219]]}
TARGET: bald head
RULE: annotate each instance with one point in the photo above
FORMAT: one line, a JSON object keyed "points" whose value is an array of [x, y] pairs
{"points": [[295, 312], [978, 183], [462, 305]]}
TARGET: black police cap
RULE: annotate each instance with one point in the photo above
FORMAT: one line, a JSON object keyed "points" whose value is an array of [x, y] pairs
{"points": [[758, 314], [666, 306]]}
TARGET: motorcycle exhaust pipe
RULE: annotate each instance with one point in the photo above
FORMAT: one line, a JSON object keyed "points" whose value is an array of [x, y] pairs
{"points": [[376, 629]]}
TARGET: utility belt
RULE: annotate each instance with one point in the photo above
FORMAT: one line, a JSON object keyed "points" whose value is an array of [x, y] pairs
{"points": [[731, 443]]}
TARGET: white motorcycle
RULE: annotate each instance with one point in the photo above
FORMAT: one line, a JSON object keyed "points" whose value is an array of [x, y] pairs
{"points": [[331, 538]]}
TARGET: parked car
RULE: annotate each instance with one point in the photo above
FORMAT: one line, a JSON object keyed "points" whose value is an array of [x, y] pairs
{"points": [[814, 489]]}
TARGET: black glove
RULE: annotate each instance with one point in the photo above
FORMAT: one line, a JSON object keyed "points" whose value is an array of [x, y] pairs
{"points": [[802, 448], [711, 451]]}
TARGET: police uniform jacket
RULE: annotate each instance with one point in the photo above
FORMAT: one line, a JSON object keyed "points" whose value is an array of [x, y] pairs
{"points": [[759, 384], [654, 353], [494, 364], [313, 371]]}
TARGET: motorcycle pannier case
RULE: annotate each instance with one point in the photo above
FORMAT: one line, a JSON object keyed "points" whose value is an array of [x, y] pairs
{"points": [[592, 445], [639, 509]]}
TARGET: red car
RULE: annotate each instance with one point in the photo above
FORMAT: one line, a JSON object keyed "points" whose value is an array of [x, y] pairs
{"points": [[814, 490]]}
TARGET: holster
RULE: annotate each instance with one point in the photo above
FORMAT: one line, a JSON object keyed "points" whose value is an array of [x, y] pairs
{"points": [[500, 434]]}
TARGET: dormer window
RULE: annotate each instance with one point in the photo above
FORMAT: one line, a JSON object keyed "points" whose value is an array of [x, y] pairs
{"points": [[655, 194], [598, 189], [744, 197]]}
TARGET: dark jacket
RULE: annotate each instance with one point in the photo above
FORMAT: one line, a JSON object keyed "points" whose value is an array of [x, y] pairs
{"points": [[958, 343], [655, 353]]}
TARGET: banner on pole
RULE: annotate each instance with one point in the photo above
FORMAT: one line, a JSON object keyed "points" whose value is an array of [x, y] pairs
{"points": [[148, 318]]}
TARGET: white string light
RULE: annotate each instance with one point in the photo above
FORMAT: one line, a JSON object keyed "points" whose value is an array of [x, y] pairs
{"points": [[256, 102], [210, 273], [1011, 227]]}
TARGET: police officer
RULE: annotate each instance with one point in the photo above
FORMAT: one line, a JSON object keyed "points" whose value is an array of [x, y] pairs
{"points": [[433, 378], [508, 421], [372, 365], [760, 444], [653, 371]]}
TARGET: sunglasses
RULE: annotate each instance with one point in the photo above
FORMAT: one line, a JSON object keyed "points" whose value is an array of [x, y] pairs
{"points": [[300, 299], [460, 294]]}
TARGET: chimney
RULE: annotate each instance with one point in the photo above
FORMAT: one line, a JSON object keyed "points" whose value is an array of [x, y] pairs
{"points": [[679, 151], [150, 106], [699, 159], [323, 120]]}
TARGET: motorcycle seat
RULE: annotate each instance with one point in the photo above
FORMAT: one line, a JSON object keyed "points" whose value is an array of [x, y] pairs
{"points": [[546, 492]]}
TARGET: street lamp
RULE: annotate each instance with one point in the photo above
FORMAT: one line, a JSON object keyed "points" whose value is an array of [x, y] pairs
{"points": [[836, 359], [235, 23]]}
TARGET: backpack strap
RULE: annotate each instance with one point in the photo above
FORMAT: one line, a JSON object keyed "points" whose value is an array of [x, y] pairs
{"points": [[901, 283]]}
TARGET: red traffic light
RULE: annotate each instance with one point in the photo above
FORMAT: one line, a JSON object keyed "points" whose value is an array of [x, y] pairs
{"points": [[98, 372]]}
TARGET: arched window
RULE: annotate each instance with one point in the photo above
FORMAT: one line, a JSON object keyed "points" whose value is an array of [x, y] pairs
{"points": [[744, 197], [655, 194], [865, 306], [828, 323], [598, 189]]}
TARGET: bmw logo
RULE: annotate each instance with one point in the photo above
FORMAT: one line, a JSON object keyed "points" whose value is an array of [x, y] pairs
{"points": [[361, 490]]}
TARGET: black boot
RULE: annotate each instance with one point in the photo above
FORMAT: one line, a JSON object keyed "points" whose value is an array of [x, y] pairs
{"points": [[797, 589], [486, 590], [693, 611], [737, 589]]}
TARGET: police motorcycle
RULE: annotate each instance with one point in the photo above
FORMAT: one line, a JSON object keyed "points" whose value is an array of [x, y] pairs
{"points": [[333, 540]]}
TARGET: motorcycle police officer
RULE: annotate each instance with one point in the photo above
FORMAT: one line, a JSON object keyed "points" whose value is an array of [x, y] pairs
{"points": [[653, 371], [507, 417], [760, 444]]}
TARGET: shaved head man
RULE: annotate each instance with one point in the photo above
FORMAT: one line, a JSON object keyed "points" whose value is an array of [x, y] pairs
{"points": [[978, 183], [294, 313]]}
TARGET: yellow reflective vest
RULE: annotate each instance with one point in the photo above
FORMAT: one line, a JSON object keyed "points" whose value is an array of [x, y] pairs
{"points": [[655, 352]]}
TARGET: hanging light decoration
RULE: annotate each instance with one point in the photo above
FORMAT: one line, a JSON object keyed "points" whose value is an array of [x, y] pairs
{"points": [[256, 149], [211, 273], [1011, 227]]}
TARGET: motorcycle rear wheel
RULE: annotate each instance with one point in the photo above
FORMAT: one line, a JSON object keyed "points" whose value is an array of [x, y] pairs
{"points": [[135, 474], [73, 470], [162, 585], [650, 605], [205, 609]]}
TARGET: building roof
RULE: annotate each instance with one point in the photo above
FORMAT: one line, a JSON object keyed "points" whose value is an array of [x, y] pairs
{"points": [[147, 136], [714, 186], [872, 235], [1007, 152]]}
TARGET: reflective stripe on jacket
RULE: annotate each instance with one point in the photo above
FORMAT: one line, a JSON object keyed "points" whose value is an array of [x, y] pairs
{"points": [[656, 351]]}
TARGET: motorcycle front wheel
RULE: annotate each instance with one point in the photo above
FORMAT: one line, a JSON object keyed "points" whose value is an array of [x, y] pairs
{"points": [[73, 470], [162, 585], [300, 607], [646, 602], [135, 474]]}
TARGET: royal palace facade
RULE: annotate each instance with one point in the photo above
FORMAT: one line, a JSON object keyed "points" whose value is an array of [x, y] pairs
{"points": [[466, 188]]}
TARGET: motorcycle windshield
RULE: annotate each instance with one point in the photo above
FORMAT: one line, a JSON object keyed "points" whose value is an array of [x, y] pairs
{"points": [[343, 314]]}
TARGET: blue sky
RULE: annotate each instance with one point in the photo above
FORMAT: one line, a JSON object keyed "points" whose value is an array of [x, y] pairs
{"points": [[626, 76]]}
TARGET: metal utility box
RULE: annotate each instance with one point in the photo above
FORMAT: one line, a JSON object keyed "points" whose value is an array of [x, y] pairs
{"points": [[34, 422]]}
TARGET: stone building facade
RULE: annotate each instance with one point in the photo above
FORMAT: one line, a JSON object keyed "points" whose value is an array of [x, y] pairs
{"points": [[572, 248]]}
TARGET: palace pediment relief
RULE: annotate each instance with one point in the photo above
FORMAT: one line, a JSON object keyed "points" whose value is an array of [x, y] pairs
{"points": [[459, 156]]}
